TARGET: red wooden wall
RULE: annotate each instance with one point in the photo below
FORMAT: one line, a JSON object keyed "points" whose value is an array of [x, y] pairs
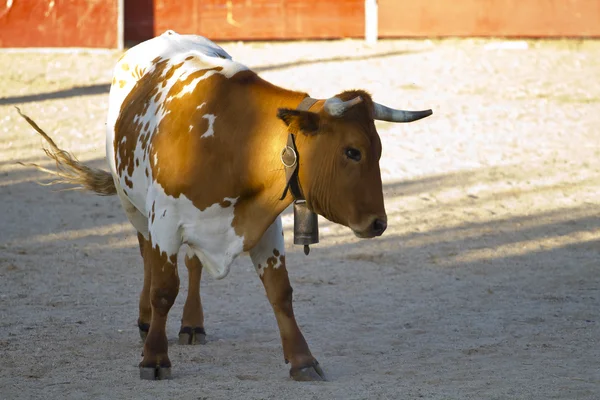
{"points": [[95, 23], [506, 18], [307, 19], [251, 19], [59, 23]]}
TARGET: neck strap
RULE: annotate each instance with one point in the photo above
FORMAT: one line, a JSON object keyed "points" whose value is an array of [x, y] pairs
{"points": [[291, 159]]}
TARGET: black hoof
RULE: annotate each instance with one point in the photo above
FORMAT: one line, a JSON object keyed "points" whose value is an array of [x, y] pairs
{"points": [[189, 335], [309, 373], [155, 374]]}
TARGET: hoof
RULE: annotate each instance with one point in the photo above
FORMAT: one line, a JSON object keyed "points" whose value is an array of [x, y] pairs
{"points": [[143, 329], [155, 374], [189, 335], [309, 373]]}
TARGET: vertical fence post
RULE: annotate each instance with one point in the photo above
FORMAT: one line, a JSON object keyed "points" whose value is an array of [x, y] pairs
{"points": [[120, 24], [371, 21]]}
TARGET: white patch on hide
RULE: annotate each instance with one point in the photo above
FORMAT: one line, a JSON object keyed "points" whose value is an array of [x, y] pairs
{"points": [[209, 233], [211, 120], [189, 88], [271, 240]]}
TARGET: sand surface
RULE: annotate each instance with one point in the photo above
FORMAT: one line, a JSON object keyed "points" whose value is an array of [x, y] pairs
{"points": [[485, 286]]}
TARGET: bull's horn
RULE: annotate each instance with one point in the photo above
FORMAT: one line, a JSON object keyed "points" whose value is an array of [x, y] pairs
{"points": [[384, 113], [336, 107]]}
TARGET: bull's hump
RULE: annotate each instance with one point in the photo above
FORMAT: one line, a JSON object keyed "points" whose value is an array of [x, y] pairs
{"points": [[200, 43], [192, 52], [189, 52], [173, 67]]}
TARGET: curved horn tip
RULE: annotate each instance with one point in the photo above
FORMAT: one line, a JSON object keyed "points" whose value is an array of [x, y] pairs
{"points": [[384, 113], [417, 115]]}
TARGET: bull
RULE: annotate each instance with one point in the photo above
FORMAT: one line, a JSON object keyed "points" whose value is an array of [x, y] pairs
{"points": [[194, 144]]}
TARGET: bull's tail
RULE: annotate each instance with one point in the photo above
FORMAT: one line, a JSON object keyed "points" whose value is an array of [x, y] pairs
{"points": [[71, 171]]}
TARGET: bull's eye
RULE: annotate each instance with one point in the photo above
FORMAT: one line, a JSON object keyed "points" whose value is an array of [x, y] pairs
{"points": [[353, 154]]}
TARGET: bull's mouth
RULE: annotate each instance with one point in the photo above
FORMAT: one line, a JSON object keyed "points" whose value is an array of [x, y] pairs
{"points": [[364, 235], [374, 229]]}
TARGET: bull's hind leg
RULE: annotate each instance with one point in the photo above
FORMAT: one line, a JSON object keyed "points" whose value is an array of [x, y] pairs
{"points": [[192, 321], [164, 286], [269, 260], [140, 223], [145, 314]]}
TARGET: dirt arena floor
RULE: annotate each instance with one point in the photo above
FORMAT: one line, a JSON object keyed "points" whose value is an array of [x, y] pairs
{"points": [[485, 286]]}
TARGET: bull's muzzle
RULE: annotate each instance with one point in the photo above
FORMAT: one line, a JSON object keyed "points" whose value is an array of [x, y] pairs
{"points": [[375, 227]]}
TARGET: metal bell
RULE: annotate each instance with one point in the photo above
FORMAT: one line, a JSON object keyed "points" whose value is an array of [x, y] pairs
{"points": [[306, 225]]}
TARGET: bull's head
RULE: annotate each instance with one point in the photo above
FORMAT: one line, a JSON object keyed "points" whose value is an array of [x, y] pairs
{"points": [[339, 159]]}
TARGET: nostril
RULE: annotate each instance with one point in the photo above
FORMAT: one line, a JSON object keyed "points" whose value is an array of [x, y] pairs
{"points": [[379, 226]]}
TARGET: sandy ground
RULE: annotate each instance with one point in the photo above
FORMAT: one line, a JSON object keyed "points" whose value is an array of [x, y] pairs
{"points": [[485, 286]]}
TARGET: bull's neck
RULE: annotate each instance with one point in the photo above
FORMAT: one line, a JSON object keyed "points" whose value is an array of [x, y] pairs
{"points": [[273, 137]]}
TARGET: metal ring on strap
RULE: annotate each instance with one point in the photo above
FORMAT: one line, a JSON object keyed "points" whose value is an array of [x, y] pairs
{"points": [[292, 165]]}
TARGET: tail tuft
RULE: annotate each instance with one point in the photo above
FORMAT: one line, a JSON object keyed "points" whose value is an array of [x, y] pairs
{"points": [[71, 171]]}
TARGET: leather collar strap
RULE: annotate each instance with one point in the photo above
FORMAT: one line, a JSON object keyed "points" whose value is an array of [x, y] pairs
{"points": [[306, 104], [291, 159]]}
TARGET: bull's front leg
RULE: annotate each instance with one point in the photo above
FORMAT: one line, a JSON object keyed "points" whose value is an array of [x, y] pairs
{"points": [[164, 286], [268, 257]]}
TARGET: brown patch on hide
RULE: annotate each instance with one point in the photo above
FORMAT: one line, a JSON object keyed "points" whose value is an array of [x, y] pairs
{"points": [[138, 72], [271, 261], [136, 103]]}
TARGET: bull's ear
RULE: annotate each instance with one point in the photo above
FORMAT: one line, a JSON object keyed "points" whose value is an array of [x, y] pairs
{"points": [[304, 121]]}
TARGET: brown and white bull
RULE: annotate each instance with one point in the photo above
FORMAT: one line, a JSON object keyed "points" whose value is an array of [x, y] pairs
{"points": [[194, 143]]}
